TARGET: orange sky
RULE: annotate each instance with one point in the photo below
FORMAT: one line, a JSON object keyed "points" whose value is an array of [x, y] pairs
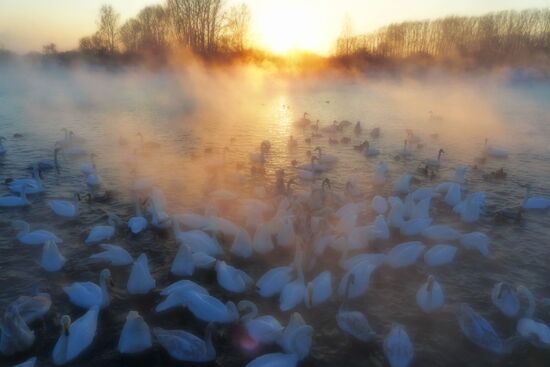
{"points": [[279, 25]]}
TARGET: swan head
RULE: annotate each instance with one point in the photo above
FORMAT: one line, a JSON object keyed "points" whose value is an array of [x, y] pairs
{"points": [[133, 315], [326, 182], [106, 278], [65, 324]]}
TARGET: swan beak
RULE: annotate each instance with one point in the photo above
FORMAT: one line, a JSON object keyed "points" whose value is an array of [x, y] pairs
{"points": [[66, 329]]}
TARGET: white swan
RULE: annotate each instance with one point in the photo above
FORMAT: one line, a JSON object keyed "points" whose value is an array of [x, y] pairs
{"points": [[102, 232], [478, 330], [89, 167], [319, 290], [88, 294], [94, 180], [31, 362], [460, 175], [34, 238], [380, 173], [354, 323], [325, 158], [32, 308], [414, 227], [430, 296], [454, 194], [403, 184], [75, 337], [441, 232], [536, 332], [115, 255], [379, 204], [15, 335], [274, 280], [398, 347], [293, 293], [262, 241], [140, 281], [198, 241], [476, 241], [52, 260], [404, 254], [232, 279], [184, 346], [65, 208], [33, 185], [242, 244], [494, 152], [177, 294], [264, 329], [439, 255], [3, 149], [355, 281], [535, 202], [505, 298], [297, 336], [436, 163], [138, 223], [210, 309], [274, 360], [15, 201], [135, 336], [469, 209]]}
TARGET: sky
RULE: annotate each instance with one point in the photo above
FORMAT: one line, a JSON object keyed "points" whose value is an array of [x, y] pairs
{"points": [[278, 25]]}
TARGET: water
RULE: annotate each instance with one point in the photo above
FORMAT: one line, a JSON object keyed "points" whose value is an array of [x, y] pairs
{"points": [[188, 112]]}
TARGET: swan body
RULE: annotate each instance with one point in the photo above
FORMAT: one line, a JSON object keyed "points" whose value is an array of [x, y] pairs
{"points": [[405, 254], [505, 298], [430, 296], [262, 241], [476, 241], [115, 255], [414, 227], [32, 185], [210, 309], [32, 308], [64, 208], [31, 362], [232, 279], [52, 260], [360, 273], [538, 333], [15, 201], [355, 324], [199, 241], [403, 185], [34, 238], [439, 255], [102, 233], [495, 152], [441, 232], [292, 294], [398, 347], [184, 263], [15, 335], [242, 244], [297, 336], [478, 330], [274, 280], [453, 195], [140, 281], [178, 295], [75, 337], [460, 175], [380, 173], [88, 294], [263, 329], [184, 346], [135, 336], [379, 204], [274, 360], [93, 180], [319, 290], [137, 224], [535, 202]]}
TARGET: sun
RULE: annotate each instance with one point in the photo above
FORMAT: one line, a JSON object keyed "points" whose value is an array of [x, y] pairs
{"points": [[282, 29]]}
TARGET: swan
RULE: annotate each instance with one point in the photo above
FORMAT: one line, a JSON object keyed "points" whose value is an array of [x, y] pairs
{"points": [[103, 232], [184, 346], [312, 166], [354, 323], [494, 152], [32, 308], [222, 225], [505, 298], [94, 180], [31, 362], [33, 185], [210, 309], [319, 290], [379, 229], [369, 151], [296, 338], [436, 163], [403, 185], [423, 193], [380, 173], [441, 232], [379, 204], [460, 175], [232, 279], [263, 329], [135, 336], [15, 201], [325, 158], [242, 244], [478, 330], [422, 209], [404, 254], [34, 238], [439, 255], [186, 261], [453, 195], [138, 223], [140, 281], [15, 335], [355, 281], [88, 294], [398, 347], [537, 332], [430, 296], [274, 360], [469, 209], [476, 241], [177, 294], [75, 337], [52, 260], [274, 280], [115, 255], [285, 235], [198, 241], [535, 202], [397, 212], [65, 208], [293, 293], [89, 168], [414, 227], [262, 241]]}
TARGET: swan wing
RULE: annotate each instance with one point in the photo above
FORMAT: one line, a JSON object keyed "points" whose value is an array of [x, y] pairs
{"points": [[82, 333]]}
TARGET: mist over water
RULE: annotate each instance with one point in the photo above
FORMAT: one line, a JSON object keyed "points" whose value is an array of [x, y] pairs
{"points": [[206, 122]]}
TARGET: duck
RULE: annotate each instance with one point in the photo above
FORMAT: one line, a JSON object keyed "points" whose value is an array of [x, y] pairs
{"points": [[35, 238], [15, 335], [274, 360], [52, 260], [430, 296], [264, 329], [113, 254], [398, 347], [75, 337], [184, 346], [404, 254], [135, 336], [440, 254], [535, 202], [140, 280], [232, 279], [102, 233], [65, 208], [88, 294], [12, 201]]}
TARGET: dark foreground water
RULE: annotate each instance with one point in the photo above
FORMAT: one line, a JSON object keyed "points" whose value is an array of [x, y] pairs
{"points": [[186, 113]]}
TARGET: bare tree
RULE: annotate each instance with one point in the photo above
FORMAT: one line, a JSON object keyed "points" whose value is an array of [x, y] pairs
{"points": [[108, 24], [49, 49], [237, 27]]}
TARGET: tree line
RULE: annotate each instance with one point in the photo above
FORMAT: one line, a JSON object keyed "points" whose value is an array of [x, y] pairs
{"points": [[505, 36], [204, 27]]}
